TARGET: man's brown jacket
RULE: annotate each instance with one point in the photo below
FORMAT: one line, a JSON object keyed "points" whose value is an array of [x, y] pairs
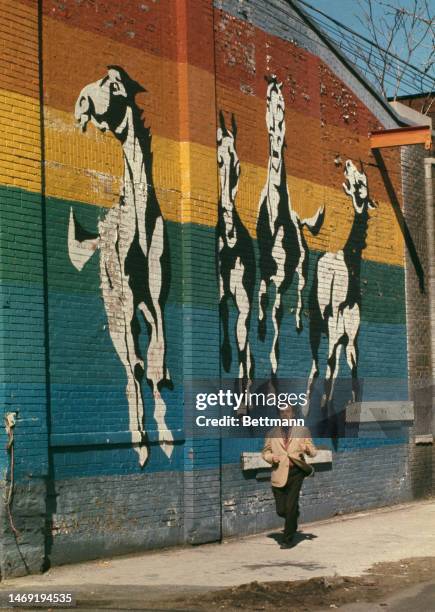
{"points": [[300, 443]]}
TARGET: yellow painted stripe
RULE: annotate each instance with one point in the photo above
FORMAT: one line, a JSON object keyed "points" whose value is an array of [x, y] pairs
{"points": [[20, 148], [88, 168]]}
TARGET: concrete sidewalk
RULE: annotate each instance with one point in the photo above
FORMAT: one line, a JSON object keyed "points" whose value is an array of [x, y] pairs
{"points": [[348, 545]]}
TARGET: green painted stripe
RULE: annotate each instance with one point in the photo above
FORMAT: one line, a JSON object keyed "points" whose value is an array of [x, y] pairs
{"points": [[383, 285], [20, 236]]}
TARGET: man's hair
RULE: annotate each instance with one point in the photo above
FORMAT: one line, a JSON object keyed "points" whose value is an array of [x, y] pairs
{"points": [[294, 409]]}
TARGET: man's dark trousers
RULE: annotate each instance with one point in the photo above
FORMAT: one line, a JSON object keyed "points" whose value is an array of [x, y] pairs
{"points": [[287, 501]]}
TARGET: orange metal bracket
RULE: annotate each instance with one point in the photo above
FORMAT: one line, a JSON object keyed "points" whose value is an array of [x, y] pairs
{"points": [[398, 137]]}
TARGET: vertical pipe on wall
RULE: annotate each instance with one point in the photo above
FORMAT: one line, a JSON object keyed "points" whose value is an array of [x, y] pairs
{"points": [[221, 501], [202, 494], [429, 163], [50, 493]]}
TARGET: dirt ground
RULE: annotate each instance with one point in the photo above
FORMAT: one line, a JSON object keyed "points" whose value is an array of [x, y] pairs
{"points": [[368, 592], [380, 581], [373, 561]]}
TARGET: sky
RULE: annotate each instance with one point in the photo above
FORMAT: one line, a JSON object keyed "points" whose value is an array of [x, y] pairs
{"points": [[345, 11], [342, 10]]}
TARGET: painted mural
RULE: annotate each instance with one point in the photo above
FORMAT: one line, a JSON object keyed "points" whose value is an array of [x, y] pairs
{"points": [[96, 374], [335, 301], [235, 256], [134, 264], [97, 306], [335, 296], [281, 242]]}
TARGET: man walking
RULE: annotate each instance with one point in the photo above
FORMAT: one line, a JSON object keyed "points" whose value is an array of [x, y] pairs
{"points": [[284, 449]]}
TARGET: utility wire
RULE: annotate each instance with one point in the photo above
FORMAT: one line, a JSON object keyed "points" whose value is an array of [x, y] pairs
{"points": [[377, 60], [410, 79], [365, 39], [292, 17], [362, 68], [408, 82]]}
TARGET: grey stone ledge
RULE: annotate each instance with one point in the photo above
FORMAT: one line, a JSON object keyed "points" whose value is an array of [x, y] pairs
{"points": [[109, 438], [423, 439], [254, 461], [373, 412]]}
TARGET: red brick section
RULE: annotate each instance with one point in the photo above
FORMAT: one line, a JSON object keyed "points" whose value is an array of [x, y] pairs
{"points": [[245, 55], [146, 25], [197, 96], [324, 118], [325, 121]]}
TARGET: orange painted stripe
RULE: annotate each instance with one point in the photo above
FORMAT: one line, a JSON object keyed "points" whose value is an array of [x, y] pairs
{"points": [[151, 27], [193, 121], [81, 39], [83, 55], [19, 48]]}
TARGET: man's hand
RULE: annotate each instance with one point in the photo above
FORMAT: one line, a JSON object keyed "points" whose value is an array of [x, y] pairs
{"points": [[276, 458]]}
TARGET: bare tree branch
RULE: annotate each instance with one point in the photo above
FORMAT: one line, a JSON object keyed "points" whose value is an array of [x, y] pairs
{"points": [[402, 29]]}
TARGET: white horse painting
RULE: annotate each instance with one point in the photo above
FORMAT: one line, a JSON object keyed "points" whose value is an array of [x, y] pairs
{"points": [[134, 265]]}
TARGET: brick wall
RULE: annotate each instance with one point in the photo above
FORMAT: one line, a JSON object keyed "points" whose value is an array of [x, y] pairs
{"points": [[113, 515], [23, 332], [357, 480], [64, 366], [419, 301]]}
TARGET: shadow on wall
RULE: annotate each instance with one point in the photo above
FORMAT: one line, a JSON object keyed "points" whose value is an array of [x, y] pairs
{"points": [[335, 298], [281, 242], [410, 245], [234, 256]]}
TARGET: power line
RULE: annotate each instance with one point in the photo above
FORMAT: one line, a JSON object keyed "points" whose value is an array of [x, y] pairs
{"points": [[377, 59], [289, 18], [336, 32], [367, 40], [362, 68], [406, 80]]}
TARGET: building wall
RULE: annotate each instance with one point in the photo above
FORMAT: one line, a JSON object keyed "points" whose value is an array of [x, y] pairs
{"points": [[328, 119], [66, 362], [422, 104], [418, 301], [23, 367]]}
